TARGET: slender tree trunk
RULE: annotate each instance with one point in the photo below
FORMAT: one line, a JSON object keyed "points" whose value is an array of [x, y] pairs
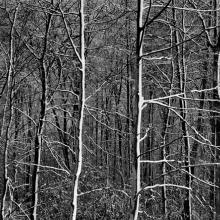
{"points": [[179, 69], [62, 132], [7, 117], [165, 152], [184, 114], [29, 141], [18, 101], [98, 163], [148, 142], [118, 162], [139, 100], [107, 136], [215, 121], [82, 109], [217, 173], [102, 128], [183, 105], [128, 96], [217, 107], [217, 135], [38, 141], [199, 128], [214, 64]]}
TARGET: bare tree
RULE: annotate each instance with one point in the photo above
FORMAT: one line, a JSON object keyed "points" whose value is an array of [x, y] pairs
{"points": [[40, 125], [139, 101], [82, 98], [7, 118]]}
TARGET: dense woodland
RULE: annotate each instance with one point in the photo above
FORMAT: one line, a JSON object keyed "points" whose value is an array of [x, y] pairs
{"points": [[110, 109]]}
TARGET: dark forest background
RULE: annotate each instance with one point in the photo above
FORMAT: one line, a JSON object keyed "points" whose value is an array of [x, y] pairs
{"points": [[149, 107]]}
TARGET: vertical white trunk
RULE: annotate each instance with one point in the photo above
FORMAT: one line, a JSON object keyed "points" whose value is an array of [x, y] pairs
{"points": [[80, 147], [140, 105]]}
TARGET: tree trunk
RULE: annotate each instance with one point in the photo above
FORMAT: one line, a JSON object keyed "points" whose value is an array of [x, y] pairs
{"points": [[216, 129], [7, 118], [165, 151], [128, 97], [81, 116], [38, 141], [139, 100], [29, 142], [180, 71]]}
